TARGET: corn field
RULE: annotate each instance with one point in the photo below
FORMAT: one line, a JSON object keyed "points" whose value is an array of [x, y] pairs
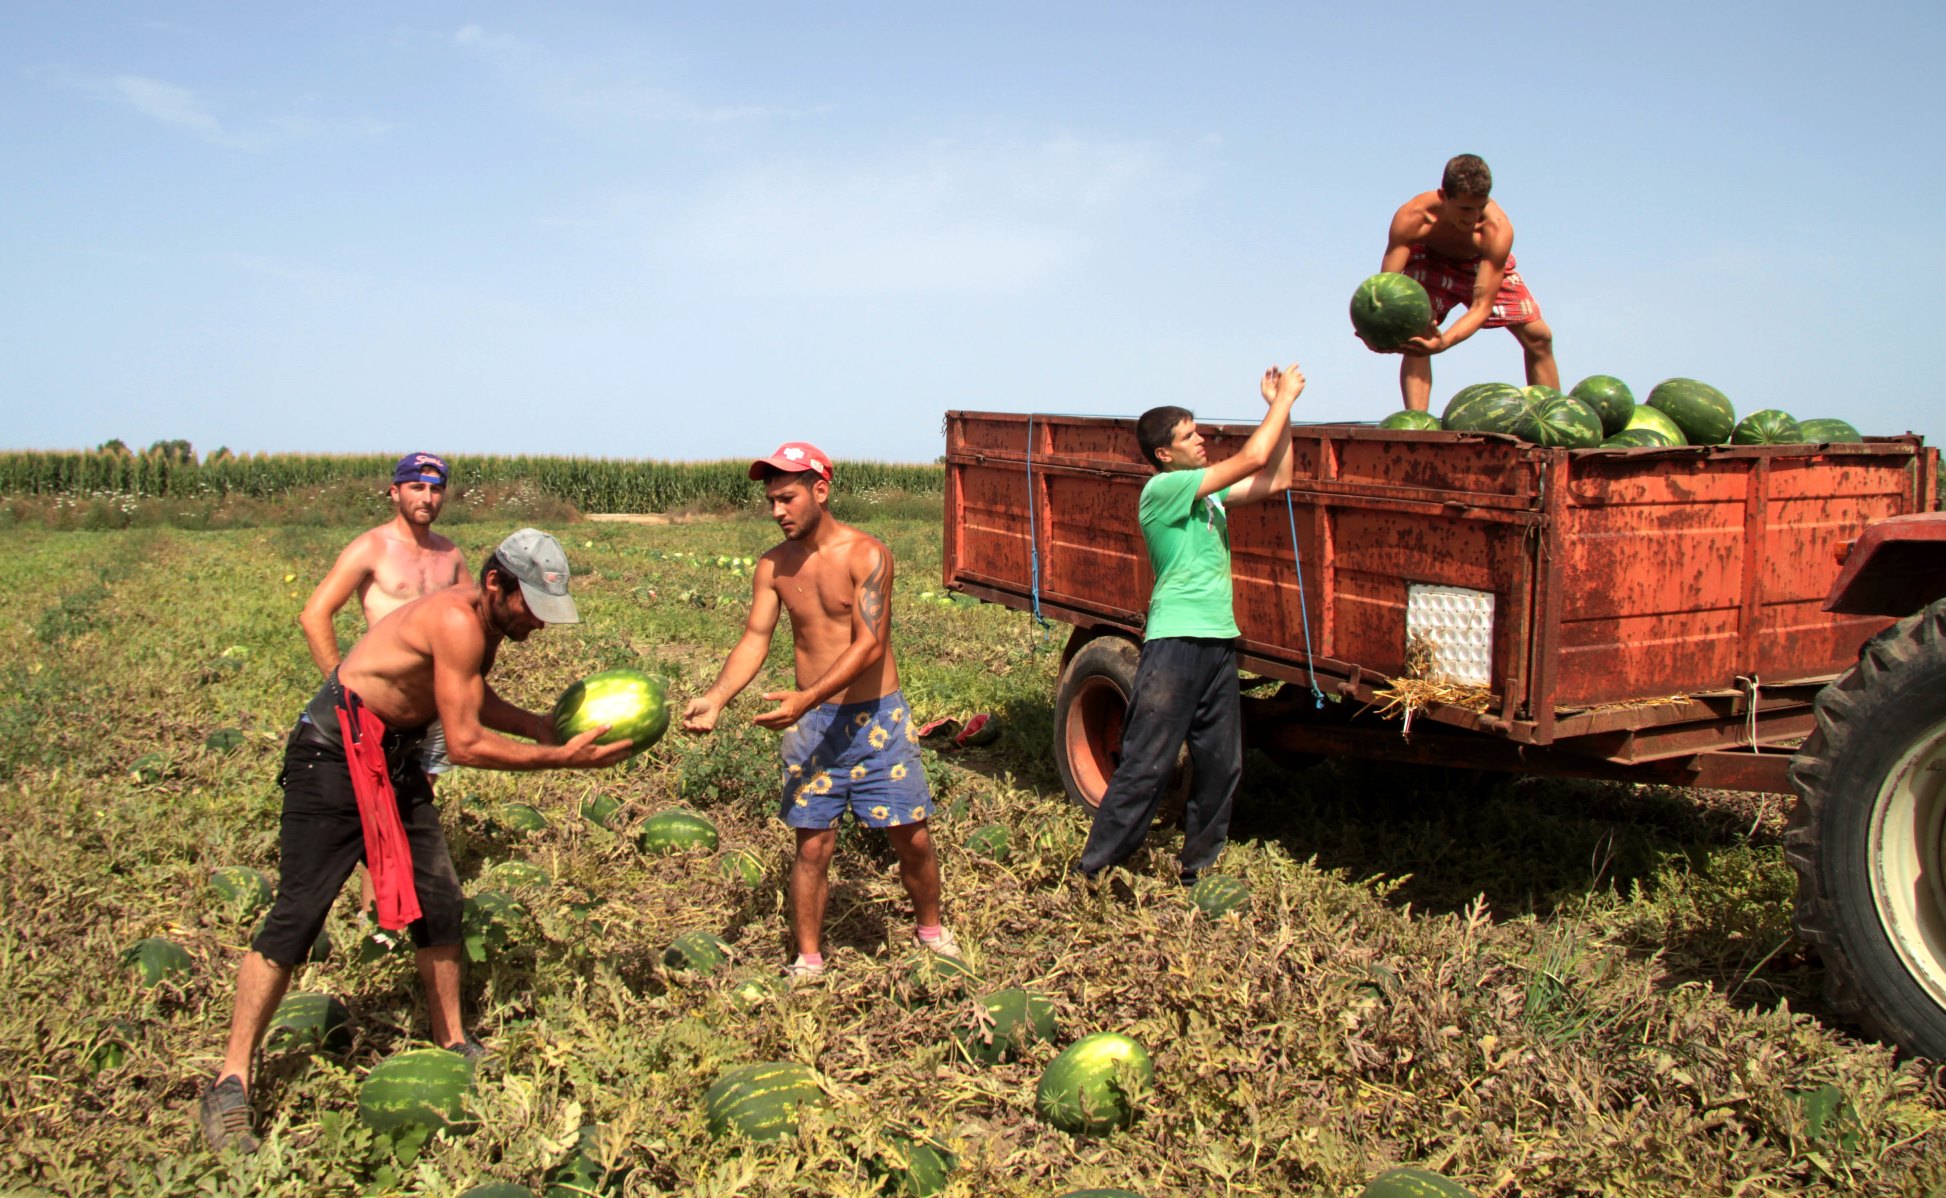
{"points": [[590, 484]]}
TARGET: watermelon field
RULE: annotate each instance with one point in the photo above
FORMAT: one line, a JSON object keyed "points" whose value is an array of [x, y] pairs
{"points": [[1531, 987]]}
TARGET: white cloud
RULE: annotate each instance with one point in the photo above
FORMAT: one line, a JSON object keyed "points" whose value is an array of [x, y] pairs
{"points": [[171, 105]]}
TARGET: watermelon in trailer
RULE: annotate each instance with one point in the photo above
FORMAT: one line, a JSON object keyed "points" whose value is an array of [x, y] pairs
{"points": [[1639, 438], [1610, 398], [1455, 416], [1503, 409], [1390, 309], [1564, 421], [634, 706], [1768, 427], [1829, 430], [1411, 420], [1650, 418], [1702, 412]]}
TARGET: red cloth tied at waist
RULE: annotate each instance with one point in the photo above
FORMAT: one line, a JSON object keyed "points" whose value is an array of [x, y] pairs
{"points": [[388, 855]]}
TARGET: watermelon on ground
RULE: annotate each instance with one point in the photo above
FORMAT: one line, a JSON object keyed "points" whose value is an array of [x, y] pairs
{"points": [[761, 1102], [1647, 417], [1702, 412], [110, 1049], [913, 1168], [1390, 309], [1217, 895], [634, 705], [523, 818], [517, 873], [1609, 397], [150, 768], [1767, 427], [422, 1087], [741, 865], [1001, 1025], [991, 842], [1090, 1089], [154, 961], [310, 1020], [1638, 438], [674, 831], [600, 809], [696, 952], [224, 740], [753, 991], [1412, 421], [1829, 430], [242, 888], [1566, 422], [1409, 1182]]}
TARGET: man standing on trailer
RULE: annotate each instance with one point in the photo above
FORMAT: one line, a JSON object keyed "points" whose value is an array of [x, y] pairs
{"points": [[1459, 245], [1186, 685]]}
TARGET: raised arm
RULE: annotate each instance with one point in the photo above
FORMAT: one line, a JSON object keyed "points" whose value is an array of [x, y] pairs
{"points": [[339, 584], [748, 656], [460, 690], [1275, 477], [871, 631], [1273, 436]]}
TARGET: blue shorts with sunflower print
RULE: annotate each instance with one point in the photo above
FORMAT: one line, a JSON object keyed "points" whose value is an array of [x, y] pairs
{"points": [[859, 755]]}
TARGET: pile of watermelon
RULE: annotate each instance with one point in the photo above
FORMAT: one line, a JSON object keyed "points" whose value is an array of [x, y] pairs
{"points": [[1601, 412]]}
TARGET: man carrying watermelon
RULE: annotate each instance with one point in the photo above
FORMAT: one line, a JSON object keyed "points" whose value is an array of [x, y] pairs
{"points": [[849, 743], [1459, 245], [355, 789], [1186, 688]]}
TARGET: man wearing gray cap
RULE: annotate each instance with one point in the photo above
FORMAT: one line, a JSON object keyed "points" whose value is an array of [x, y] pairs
{"points": [[354, 790]]}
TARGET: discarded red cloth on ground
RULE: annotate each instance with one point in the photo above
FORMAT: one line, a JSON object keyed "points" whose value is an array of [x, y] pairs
{"points": [[388, 855]]}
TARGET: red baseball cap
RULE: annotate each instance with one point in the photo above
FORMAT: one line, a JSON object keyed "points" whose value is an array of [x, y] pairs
{"points": [[794, 456]]}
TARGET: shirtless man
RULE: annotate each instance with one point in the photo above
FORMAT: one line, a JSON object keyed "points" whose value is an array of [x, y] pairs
{"points": [[1459, 244], [848, 736], [353, 789]]}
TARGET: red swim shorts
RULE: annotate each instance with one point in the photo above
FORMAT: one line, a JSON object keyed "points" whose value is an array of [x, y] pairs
{"points": [[1449, 283]]}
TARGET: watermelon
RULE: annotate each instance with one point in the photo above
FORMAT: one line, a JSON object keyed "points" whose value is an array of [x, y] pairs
{"points": [[241, 888], [696, 952], [1500, 409], [1702, 412], [110, 1049], [1413, 1183], [1566, 422], [1638, 438], [1768, 427], [1829, 430], [753, 991], [634, 705], [761, 1102], [1091, 1087], [149, 768], [741, 865], [310, 1020], [1412, 420], [673, 831], [1455, 417], [1609, 397], [423, 1087], [493, 921], [154, 961], [600, 809], [224, 740], [914, 1168], [591, 1168], [516, 874], [522, 818], [991, 842], [1217, 895], [1647, 417], [498, 1189], [998, 1027], [1390, 309]]}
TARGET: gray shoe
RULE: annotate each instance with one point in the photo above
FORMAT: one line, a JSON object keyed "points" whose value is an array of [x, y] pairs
{"points": [[472, 1050], [226, 1116]]}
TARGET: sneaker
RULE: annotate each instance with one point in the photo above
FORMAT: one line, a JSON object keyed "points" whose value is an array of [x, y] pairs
{"points": [[226, 1116], [944, 945], [472, 1050], [801, 970]]}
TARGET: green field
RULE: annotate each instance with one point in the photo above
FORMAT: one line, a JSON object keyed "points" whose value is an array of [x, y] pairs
{"points": [[1535, 987]]}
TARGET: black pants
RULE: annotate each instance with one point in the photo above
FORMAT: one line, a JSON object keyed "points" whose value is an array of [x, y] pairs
{"points": [[322, 840], [1185, 690]]}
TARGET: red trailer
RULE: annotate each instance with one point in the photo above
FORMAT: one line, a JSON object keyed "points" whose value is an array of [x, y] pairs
{"points": [[1646, 614]]}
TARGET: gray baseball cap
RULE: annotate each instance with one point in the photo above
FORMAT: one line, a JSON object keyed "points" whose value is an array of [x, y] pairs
{"points": [[537, 561]]}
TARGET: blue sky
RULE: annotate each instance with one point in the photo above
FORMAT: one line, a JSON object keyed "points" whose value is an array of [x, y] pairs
{"points": [[694, 231]]}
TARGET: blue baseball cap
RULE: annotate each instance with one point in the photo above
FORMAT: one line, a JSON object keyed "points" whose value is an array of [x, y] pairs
{"points": [[421, 468]]}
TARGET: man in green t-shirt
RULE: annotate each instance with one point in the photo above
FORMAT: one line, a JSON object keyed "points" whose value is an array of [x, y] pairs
{"points": [[1186, 685]]}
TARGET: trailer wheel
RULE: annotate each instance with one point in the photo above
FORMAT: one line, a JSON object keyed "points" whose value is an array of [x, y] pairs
{"points": [[1089, 710], [1868, 838]]}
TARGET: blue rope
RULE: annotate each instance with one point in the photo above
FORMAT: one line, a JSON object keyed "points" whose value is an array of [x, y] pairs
{"points": [[1303, 613], [1033, 531]]}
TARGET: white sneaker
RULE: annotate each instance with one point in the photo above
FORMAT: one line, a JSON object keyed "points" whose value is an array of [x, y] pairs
{"points": [[802, 970], [945, 945]]}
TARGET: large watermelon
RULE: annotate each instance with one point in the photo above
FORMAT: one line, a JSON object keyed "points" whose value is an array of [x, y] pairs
{"points": [[154, 961], [523, 818], [1566, 422], [741, 865], [517, 873], [998, 1027], [1217, 895], [1702, 412], [310, 1020], [600, 809], [914, 1168], [696, 952], [423, 1087], [1829, 430], [1609, 397], [1502, 408], [1087, 1089], [224, 740], [674, 831], [1454, 416], [1389, 310], [1647, 417], [1411, 420], [1639, 438], [991, 841], [241, 888], [761, 1102], [1768, 427], [635, 705], [1408, 1182]]}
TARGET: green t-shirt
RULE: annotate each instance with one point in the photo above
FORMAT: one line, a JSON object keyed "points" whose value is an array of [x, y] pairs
{"points": [[1189, 549]]}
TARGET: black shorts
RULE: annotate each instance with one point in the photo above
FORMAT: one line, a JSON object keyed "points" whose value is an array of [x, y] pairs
{"points": [[322, 840]]}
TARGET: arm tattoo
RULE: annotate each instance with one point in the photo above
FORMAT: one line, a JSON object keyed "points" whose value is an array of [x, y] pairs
{"points": [[871, 595]]}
